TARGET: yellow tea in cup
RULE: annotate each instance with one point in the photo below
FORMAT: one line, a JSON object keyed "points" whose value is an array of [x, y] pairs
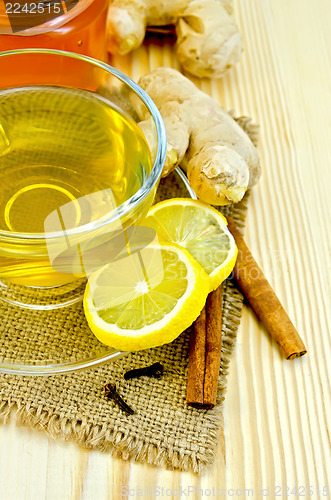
{"points": [[60, 144], [57, 145]]}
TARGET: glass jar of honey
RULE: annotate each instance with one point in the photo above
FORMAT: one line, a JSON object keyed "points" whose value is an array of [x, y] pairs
{"points": [[71, 25]]}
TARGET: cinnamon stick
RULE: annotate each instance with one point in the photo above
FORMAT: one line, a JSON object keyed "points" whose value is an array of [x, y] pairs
{"points": [[205, 354], [263, 299]]}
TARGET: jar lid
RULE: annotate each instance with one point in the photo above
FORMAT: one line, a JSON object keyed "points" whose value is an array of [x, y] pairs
{"points": [[26, 18]]}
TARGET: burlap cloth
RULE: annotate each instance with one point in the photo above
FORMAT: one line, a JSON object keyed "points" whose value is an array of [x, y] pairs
{"points": [[163, 431]]}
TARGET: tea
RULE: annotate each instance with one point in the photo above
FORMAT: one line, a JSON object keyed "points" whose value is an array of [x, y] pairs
{"points": [[57, 145]]}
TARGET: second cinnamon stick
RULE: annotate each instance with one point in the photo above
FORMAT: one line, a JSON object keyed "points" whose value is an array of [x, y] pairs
{"points": [[205, 354]]}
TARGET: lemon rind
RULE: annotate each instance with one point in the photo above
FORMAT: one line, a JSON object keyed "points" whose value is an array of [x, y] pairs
{"points": [[165, 330]]}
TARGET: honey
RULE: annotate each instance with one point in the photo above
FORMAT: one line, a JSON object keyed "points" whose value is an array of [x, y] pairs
{"points": [[84, 33]]}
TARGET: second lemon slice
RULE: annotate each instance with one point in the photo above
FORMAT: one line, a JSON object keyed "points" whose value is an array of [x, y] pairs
{"points": [[145, 299], [201, 230]]}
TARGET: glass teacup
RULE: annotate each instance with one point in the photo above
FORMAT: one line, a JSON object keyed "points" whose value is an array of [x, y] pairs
{"points": [[78, 163]]}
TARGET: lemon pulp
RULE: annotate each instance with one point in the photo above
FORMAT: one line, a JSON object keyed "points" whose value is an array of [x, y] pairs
{"points": [[201, 230]]}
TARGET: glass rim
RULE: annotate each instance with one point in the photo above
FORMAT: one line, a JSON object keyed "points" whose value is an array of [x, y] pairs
{"points": [[157, 167]]}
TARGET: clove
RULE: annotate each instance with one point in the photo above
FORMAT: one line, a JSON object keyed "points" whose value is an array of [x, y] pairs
{"points": [[111, 393], [154, 370]]}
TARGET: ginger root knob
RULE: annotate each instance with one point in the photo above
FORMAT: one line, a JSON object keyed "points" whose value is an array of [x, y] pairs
{"points": [[220, 159]]}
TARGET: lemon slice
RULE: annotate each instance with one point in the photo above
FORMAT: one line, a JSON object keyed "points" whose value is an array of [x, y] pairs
{"points": [[145, 299], [201, 230]]}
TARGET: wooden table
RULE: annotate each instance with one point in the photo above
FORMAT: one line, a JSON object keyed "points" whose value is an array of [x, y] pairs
{"points": [[277, 412]]}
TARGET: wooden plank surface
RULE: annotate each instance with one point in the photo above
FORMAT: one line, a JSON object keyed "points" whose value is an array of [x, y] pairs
{"points": [[277, 413]]}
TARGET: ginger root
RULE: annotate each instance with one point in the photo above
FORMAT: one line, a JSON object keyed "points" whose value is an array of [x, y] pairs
{"points": [[208, 40], [220, 159]]}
